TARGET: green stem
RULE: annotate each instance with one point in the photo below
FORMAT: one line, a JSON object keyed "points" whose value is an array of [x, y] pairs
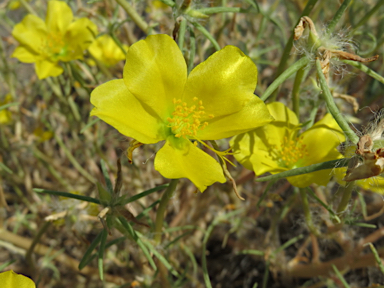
{"points": [[192, 50], [332, 106], [346, 197], [306, 169], [162, 208], [182, 28], [207, 35], [284, 76], [288, 47], [214, 10], [337, 16], [296, 91], [307, 212], [134, 16], [28, 7], [365, 69], [28, 255]]}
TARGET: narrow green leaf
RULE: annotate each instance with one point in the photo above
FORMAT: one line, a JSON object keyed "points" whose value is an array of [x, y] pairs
{"points": [[5, 168], [103, 240], [324, 205], [341, 278], [213, 10], [208, 35], [264, 194], [87, 255], [5, 106], [365, 69], [377, 257], [145, 193], [366, 225], [6, 264], [284, 76], [139, 242], [107, 179], [89, 124], [68, 195], [159, 256], [252, 252]]}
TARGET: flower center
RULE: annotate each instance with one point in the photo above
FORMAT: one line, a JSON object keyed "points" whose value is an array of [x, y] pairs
{"points": [[53, 46], [291, 153], [187, 121]]}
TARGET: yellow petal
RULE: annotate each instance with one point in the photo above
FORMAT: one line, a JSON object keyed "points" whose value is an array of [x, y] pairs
{"points": [[31, 33], [105, 50], [254, 150], [25, 55], [225, 82], [282, 115], [179, 158], [254, 114], [59, 16], [321, 177], [80, 34], [155, 72], [115, 105], [47, 68], [10, 279], [322, 140]]}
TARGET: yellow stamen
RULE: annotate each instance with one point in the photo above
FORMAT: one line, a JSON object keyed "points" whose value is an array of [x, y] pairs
{"points": [[186, 121]]}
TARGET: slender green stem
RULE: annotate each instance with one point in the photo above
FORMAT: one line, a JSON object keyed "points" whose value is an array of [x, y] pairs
{"points": [[214, 10], [207, 35], [36, 239], [118, 43], [160, 214], [288, 47], [284, 76], [296, 91], [307, 211], [134, 16], [346, 197], [73, 160], [307, 169], [181, 37], [192, 50], [28, 7], [332, 106], [337, 16], [365, 69]]}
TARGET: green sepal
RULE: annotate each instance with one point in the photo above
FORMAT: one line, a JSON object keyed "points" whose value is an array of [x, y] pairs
{"points": [[104, 195]]}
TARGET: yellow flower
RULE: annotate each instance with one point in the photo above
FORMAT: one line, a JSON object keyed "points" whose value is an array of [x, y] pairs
{"points": [[106, 50], [277, 147], [56, 39], [157, 101], [10, 279]]}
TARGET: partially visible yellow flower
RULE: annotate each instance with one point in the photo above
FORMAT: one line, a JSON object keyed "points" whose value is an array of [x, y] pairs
{"points": [[10, 279], [277, 147], [107, 51], [57, 39], [15, 4], [42, 135], [158, 101], [5, 114]]}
